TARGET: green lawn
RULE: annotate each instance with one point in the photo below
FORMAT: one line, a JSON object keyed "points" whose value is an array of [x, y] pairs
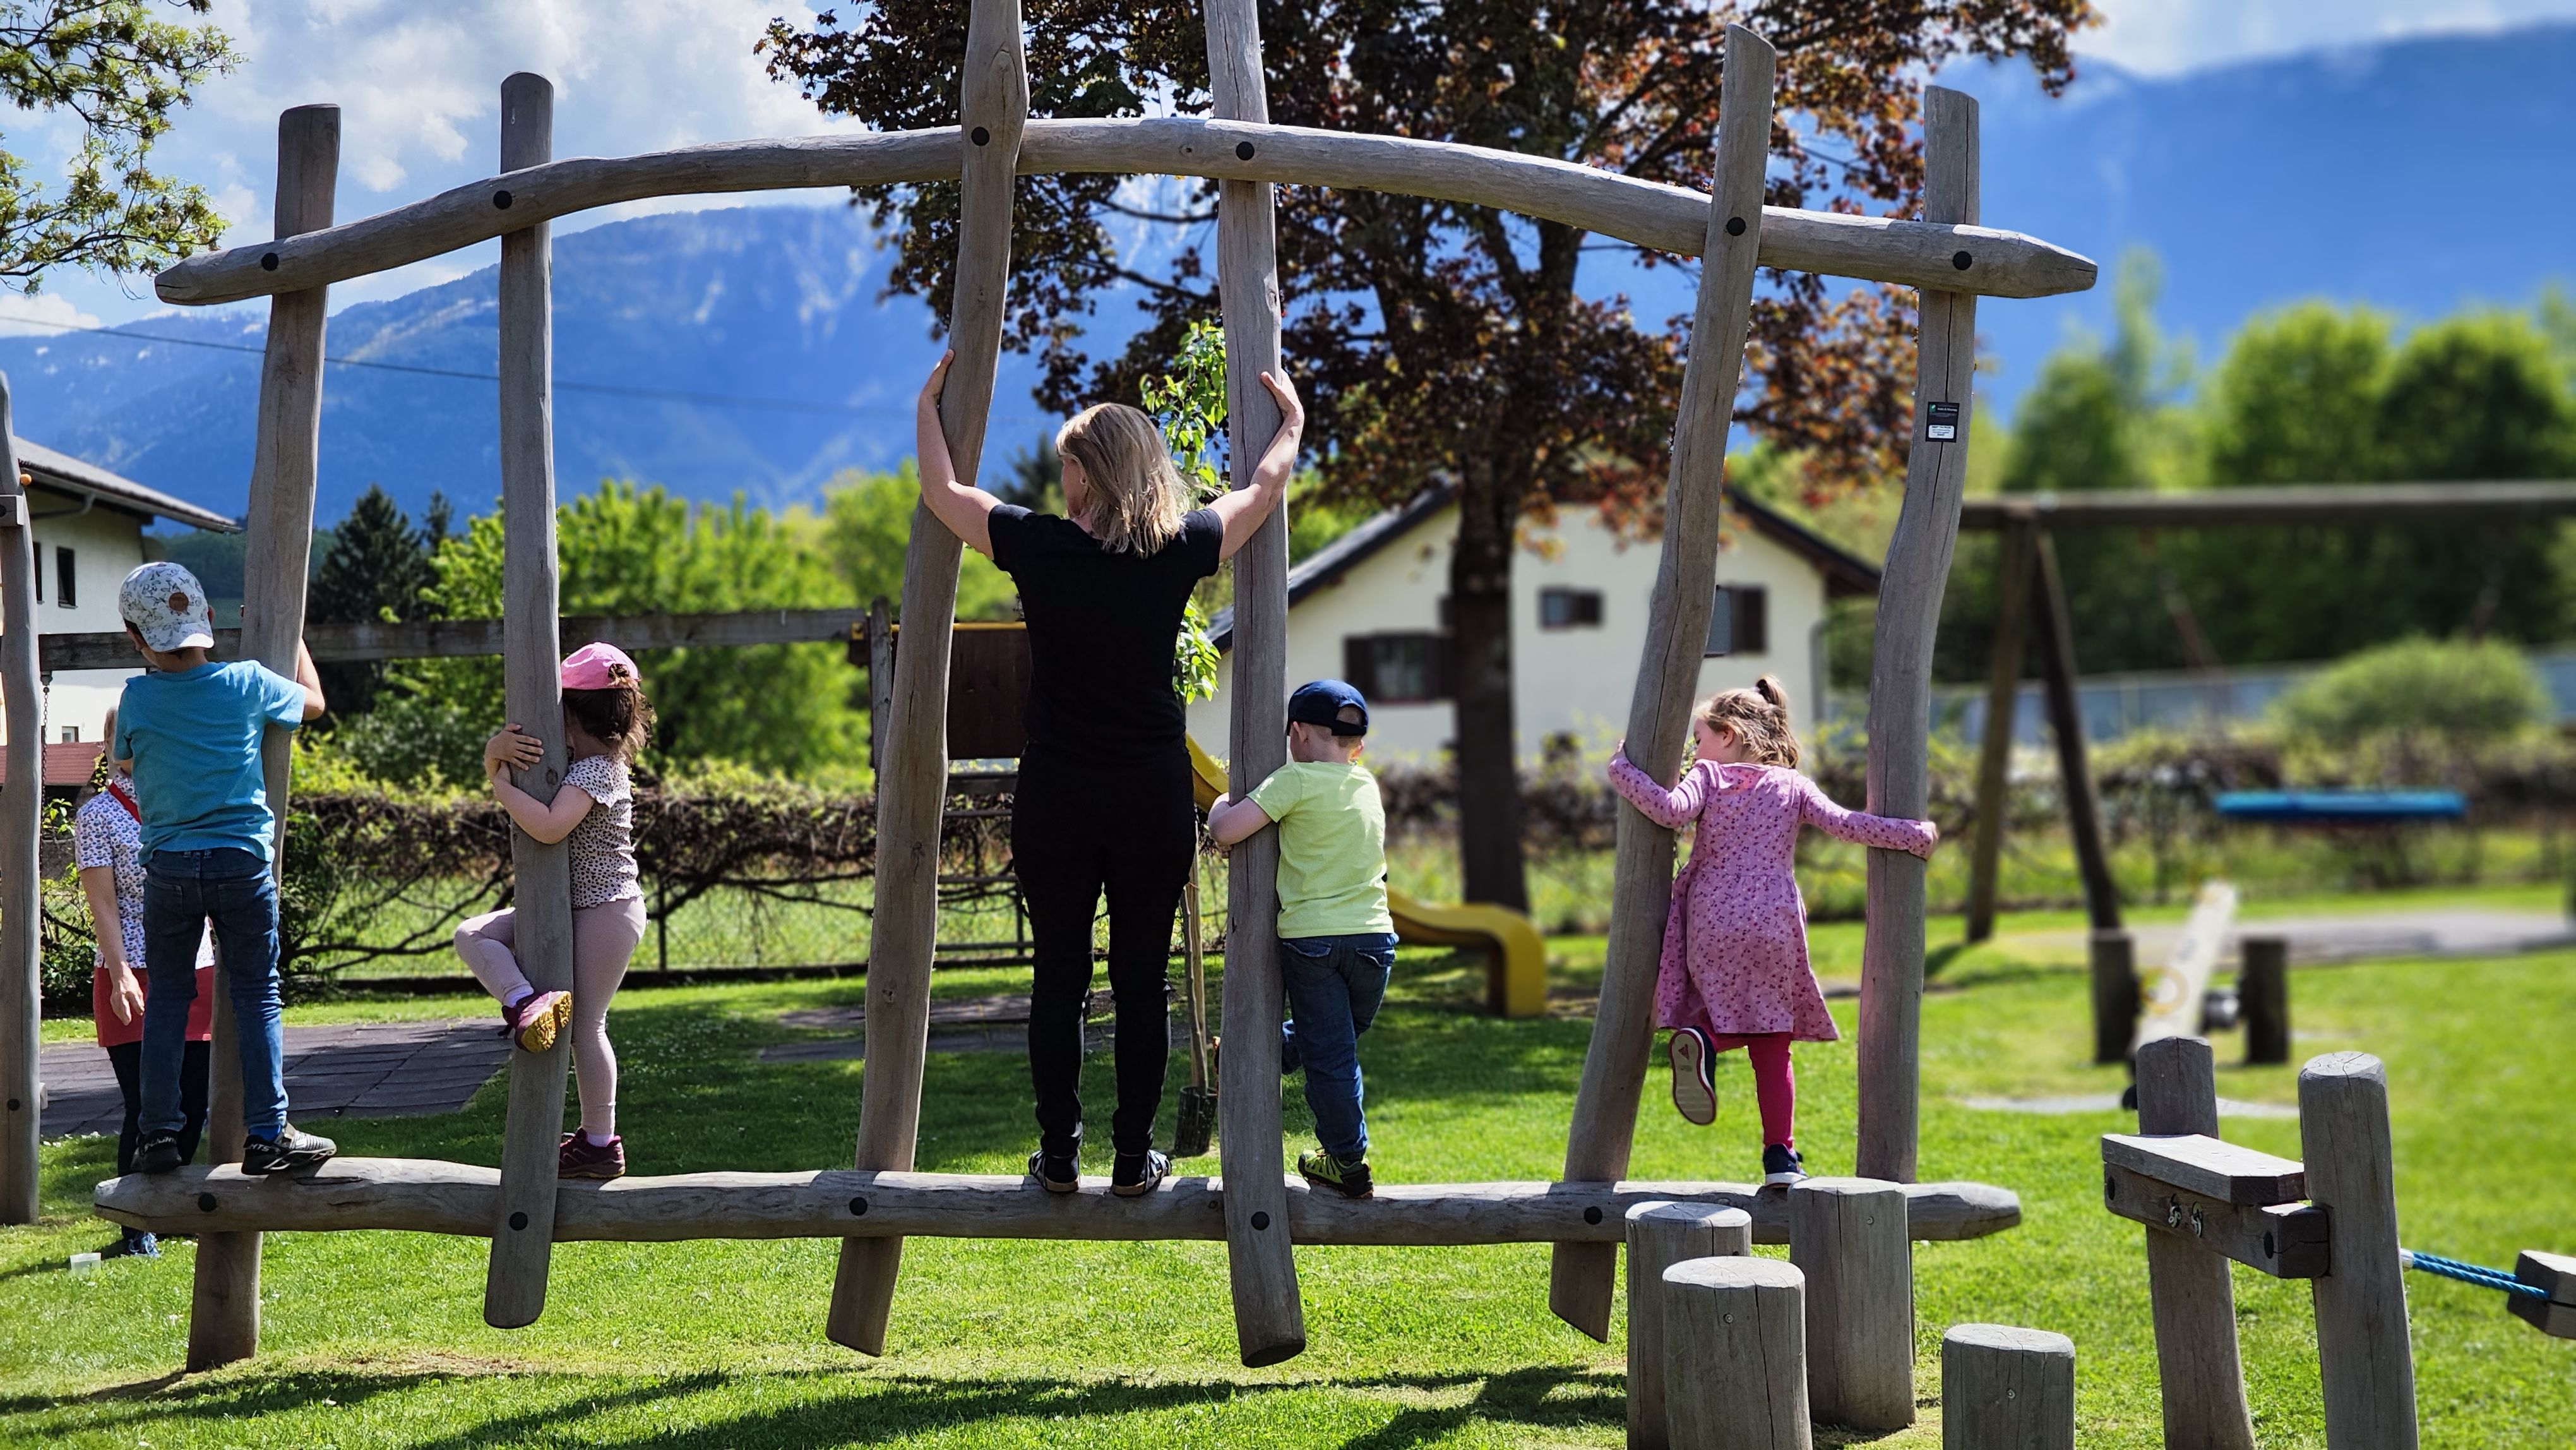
{"points": [[378, 1340]]}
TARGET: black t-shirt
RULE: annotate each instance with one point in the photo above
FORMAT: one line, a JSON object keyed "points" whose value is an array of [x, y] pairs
{"points": [[1101, 632]]}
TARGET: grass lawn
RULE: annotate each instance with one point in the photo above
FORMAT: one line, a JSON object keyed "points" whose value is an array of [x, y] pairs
{"points": [[378, 1339]]}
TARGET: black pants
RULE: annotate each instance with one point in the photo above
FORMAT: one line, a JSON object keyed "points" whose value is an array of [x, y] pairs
{"points": [[127, 1059], [1078, 834]]}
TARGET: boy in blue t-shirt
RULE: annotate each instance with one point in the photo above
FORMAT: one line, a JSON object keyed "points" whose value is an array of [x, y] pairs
{"points": [[192, 731]]}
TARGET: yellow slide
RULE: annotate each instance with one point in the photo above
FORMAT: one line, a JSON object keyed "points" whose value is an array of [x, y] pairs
{"points": [[1515, 954]]}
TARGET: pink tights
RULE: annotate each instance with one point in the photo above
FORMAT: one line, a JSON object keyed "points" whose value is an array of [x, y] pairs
{"points": [[1775, 1083]]}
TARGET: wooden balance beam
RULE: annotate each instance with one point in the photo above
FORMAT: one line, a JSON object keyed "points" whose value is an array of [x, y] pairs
{"points": [[428, 1196]]}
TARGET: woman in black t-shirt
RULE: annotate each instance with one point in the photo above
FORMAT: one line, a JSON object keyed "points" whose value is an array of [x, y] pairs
{"points": [[1103, 804]]}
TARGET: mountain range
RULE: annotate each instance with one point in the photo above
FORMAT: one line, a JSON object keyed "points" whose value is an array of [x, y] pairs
{"points": [[750, 350]]}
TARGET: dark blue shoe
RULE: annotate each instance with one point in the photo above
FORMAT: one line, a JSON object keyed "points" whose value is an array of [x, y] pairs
{"points": [[1780, 1165], [138, 1245]]}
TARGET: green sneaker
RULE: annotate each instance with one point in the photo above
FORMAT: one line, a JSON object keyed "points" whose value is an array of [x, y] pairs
{"points": [[1348, 1177]]}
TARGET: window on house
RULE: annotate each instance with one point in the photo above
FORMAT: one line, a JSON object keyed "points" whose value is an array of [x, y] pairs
{"points": [[39, 557], [1397, 669], [1569, 609], [71, 735], [66, 579], [1739, 623]]}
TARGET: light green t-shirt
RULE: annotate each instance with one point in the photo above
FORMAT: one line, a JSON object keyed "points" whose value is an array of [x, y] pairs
{"points": [[1332, 848]]}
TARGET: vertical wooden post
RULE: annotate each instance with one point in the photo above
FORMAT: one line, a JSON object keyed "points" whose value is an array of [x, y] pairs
{"points": [[1849, 1237], [514, 1288], [1614, 1066], [22, 814], [2364, 1362], [1735, 1355], [1269, 1322], [2112, 958], [880, 680], [1900, 683], [2263, 999], [223, 1322], [1660, 1235], [2009, 1389], [2194, 1303], [912, 782], [2066, 722], [1994, 750]]}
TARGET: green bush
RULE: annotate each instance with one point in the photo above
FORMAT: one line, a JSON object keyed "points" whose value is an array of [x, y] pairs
{"points": [[2419, 696]]}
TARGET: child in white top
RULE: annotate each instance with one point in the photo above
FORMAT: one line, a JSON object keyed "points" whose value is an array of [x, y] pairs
{"points": [[606, 723]]}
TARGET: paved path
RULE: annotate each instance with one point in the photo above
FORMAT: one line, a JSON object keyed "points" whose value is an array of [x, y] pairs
{"points": [[2463, 931], [355, 1070]]}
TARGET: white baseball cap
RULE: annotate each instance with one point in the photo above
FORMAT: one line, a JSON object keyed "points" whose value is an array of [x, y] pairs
{"points": [[167, 606]]}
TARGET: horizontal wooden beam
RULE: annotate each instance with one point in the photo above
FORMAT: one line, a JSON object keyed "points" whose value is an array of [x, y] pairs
{"points": [[2284, 1240], [428, 1196], [459, 638], [2554, 1316], [2211, 1167], [1650, 214], [2310, 504]]}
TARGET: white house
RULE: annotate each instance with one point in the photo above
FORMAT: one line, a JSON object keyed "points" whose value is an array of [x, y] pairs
{"points": [[88, 526], [1369, 608]]}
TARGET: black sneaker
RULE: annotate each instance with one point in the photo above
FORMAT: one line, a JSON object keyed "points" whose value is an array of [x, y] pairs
{"points": [[158, 1153], [1133, 1175], [291, 1149], [1780, 1164], [1056, 1174], [138, 1245], [1348, 1177]]}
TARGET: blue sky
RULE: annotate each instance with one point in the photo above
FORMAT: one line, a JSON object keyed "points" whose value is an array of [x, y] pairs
{"points": [[418, 87]]}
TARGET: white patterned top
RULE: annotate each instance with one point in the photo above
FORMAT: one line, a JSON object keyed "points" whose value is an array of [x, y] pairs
{"points": [[602, 847]]}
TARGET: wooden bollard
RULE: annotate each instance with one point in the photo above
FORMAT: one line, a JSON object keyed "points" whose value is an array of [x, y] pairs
{"points": [[1735, 1355], [1661, 1234], [2364, 1363], [2263, 999], [2193, 1300], [2113, 956], [2007, 1389], [1848, 1236]]}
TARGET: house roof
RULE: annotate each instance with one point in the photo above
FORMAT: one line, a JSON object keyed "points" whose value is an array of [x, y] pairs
{"points": [[1845, 573], [65, 474]]}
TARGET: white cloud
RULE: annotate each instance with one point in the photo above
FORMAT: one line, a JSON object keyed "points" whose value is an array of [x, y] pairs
{"points": [[21, 315], [2164, 36]]}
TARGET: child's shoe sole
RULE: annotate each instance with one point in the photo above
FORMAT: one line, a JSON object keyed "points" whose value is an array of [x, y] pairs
{"points": [[553, 1011], [1694, 1087]]}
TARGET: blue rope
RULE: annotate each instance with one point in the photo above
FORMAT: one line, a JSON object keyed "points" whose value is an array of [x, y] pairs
{"points": [[2478, 1274]]}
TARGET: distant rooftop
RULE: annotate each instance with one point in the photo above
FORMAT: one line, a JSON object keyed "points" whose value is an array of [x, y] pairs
{"points": [[65, 474]]}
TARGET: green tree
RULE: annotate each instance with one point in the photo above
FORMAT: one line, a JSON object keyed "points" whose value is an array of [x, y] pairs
{"points": [[866, 525], [122, 71], [377, 568]]}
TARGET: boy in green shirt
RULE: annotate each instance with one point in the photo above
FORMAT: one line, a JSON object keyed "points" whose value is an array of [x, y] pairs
{"points": [[1336, 938]]}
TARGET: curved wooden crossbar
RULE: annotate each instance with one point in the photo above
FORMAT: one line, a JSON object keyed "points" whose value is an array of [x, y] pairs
{"points": [[1666, 218], [428, 1196]]}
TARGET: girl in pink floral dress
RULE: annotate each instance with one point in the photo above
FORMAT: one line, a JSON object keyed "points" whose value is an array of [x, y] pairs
{"points": [[1734, 970]]}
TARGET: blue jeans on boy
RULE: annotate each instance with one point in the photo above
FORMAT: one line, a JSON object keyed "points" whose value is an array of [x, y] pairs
{"points": [[1335, 984], [182, 891]]}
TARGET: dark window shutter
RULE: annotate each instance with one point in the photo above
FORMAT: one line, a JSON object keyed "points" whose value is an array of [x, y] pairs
{"points": [[1359, 664], [66, 578], [1751, 607], [1721, 624], [1587, 607]]}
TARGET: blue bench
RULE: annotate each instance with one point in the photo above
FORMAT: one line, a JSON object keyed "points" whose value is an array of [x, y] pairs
{"points": [[2342, 807]]}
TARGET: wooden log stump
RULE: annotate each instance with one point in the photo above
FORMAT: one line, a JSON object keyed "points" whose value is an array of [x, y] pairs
{"points": [[912, 789], [514, 1287], [2008, 1389], [2364, 1362], [22, 813], [1735, 1370], [2263, 999], [1661, 1234], [1848, 1236], [1581, 1276], [2194, 1302], [2112, 958]]}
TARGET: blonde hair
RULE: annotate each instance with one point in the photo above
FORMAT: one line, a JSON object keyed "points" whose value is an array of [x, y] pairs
{"points": [[1758, 716], [1137, 497]]}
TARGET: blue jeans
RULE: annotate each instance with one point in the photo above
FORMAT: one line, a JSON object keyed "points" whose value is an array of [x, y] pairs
{"points": [[182, 891], [1335, 984]]}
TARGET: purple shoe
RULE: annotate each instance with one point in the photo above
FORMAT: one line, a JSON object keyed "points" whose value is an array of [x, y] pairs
{"points": [[581, 1158], [538, 1020]]}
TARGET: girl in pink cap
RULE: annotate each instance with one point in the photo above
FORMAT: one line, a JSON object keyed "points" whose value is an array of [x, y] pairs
{"points": [[606, 724]]}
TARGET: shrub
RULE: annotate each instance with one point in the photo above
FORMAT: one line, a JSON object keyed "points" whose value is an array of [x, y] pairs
{"points": [[2416, 709]]}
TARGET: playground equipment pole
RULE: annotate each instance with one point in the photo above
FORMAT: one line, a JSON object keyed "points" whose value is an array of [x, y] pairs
{"points": [[1605, 1100], [912, 783], [1994, 749], [1900, 685], [22, 813], [2193, 1300]]}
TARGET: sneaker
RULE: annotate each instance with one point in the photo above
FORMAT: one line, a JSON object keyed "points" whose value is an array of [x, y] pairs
{"points": [[1057, 1173], [578, 1157], [291, 1149], [137, 1245], [158, 1153], [1348, 1177], [538, 1020], [1133, 1175], [1694, 1082], [1780, 1164]]}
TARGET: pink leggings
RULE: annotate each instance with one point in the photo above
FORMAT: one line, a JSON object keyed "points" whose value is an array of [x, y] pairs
{"points": [[603, 940], [1775, 1083]]}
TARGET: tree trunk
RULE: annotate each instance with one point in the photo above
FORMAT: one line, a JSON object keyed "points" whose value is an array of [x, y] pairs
{"points": [[1480, 680]]}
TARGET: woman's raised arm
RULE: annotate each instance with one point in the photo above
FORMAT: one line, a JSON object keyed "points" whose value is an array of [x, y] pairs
{"points": [[1242, 510], [964, 508]]}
